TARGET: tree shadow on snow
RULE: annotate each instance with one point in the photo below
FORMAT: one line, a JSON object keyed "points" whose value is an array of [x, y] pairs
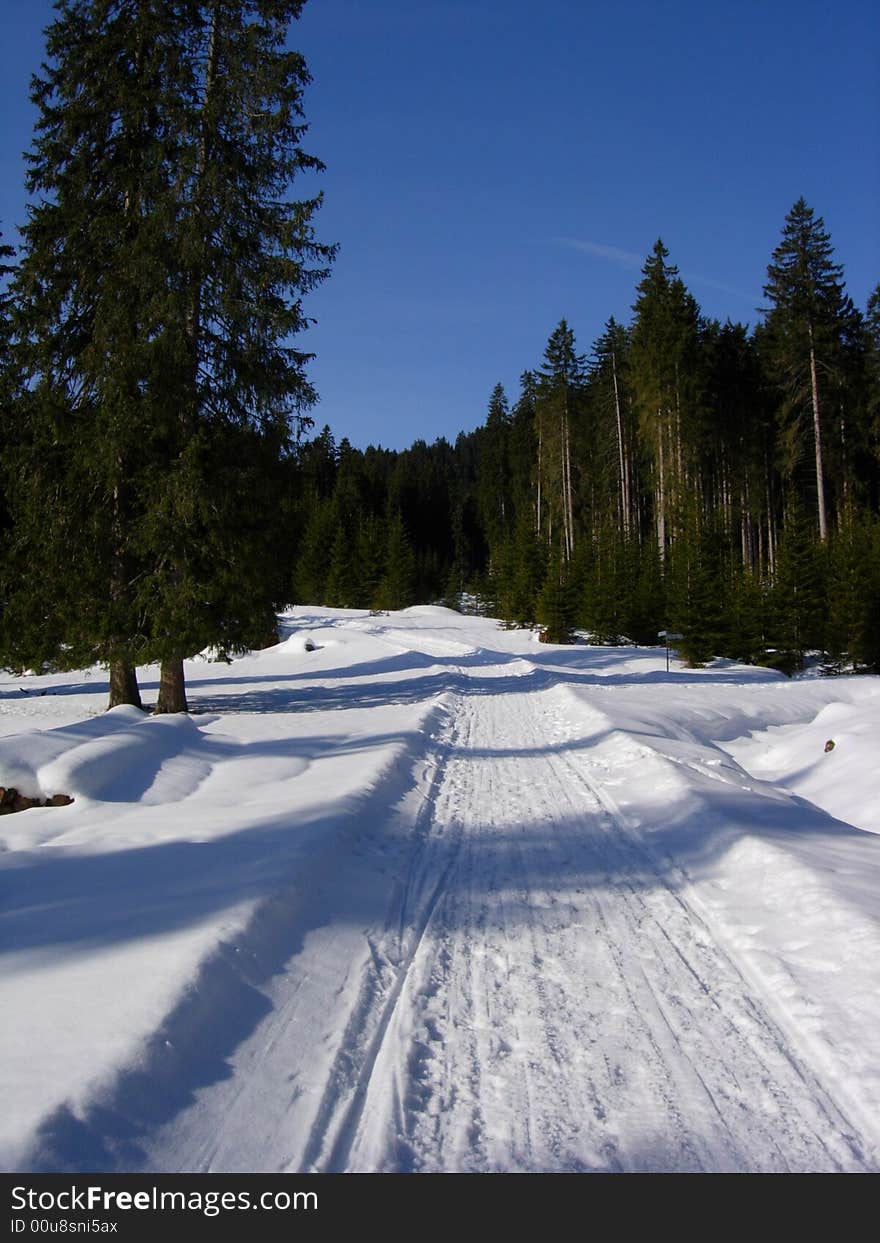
{"points": [[370, 866]]}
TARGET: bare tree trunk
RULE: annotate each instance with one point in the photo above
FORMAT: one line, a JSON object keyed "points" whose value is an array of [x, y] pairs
{"points": [[817, 435], [621, 453], [661, 495], [747, 529], [538, 515], [123, 685], [844, 505], [172, 687], [567, 504]]}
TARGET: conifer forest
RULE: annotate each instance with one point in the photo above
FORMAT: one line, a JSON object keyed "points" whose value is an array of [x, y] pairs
{"points": [[165, 491], [684, 475]]}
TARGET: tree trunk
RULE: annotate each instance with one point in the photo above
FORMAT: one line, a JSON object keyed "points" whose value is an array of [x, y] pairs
{"points": [[539, 517], [817, 434], [661, 494], [567, 504], [123, 685], [843, 507], [621, 454], [172, 687]]}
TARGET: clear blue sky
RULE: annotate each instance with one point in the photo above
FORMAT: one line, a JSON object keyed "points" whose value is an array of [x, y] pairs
{"points": [[495, 166]]}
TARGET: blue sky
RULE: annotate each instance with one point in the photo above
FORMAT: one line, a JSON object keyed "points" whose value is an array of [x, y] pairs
{"points": [[493, 167]]}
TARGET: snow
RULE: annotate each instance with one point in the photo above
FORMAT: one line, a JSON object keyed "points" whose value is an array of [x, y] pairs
{"points": [[413, 892]]}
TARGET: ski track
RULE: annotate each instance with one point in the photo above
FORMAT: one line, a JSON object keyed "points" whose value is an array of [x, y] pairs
{"points": [[543, 994], [566, 1008]]}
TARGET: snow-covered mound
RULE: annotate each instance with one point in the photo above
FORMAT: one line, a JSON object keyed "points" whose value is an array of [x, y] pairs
{"points": [[841, 777], [410, 891]]}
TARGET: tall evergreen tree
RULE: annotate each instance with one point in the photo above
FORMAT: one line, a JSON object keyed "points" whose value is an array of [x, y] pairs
{"points": [[558, 403], [245, 258], [872, 333], [808, 319], [614, 427], [556, 605], [397, 587], [799, 602], [83, 342], [496, 510], [161, 286], [664, 375]]}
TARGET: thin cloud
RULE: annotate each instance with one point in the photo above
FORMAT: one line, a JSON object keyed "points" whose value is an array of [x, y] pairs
{"points": [[625, 258], [694, 278], [629, 259]]}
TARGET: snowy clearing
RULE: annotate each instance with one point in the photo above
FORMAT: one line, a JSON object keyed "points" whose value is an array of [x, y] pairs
{"points": [[433, 896]]}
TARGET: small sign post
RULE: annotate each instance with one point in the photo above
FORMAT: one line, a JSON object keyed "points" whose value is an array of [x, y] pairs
{"points": [[667, 635]]}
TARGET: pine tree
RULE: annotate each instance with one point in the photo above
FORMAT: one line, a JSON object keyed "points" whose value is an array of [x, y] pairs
{"points": [[853, 624], [608, 584], [614, 433], [494, 470], [161, 285], [397, 588], [809, 316], [748, 617], [664, 377], [369, 560], [559, 399], [556, 604], [340, 590], [872, 333], [798, 602], [84, 336], [318, 535], [245, 257], [703, 606]]}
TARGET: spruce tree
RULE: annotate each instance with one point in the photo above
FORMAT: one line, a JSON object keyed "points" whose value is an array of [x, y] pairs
{"points": [[341, 589], [558, 404], [161, 286], [86, 292], [703, 605], [748, 616], [312, 564], [369, 560], [798, 603], [496, 510], [853, 623], [614, 436], [245, 256], [397, 587], [529, 572], [664, 377], [556, 604], [872, 333], [809, 318]]}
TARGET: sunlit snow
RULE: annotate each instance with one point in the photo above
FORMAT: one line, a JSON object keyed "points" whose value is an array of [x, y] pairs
{"points": [[434, 896]]}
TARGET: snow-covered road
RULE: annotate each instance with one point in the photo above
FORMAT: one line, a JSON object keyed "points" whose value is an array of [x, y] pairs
{"points": [[560, 929]]}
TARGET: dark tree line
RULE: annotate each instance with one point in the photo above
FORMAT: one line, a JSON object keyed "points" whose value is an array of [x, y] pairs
{"points": [[688, 475], [158, 499]]}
